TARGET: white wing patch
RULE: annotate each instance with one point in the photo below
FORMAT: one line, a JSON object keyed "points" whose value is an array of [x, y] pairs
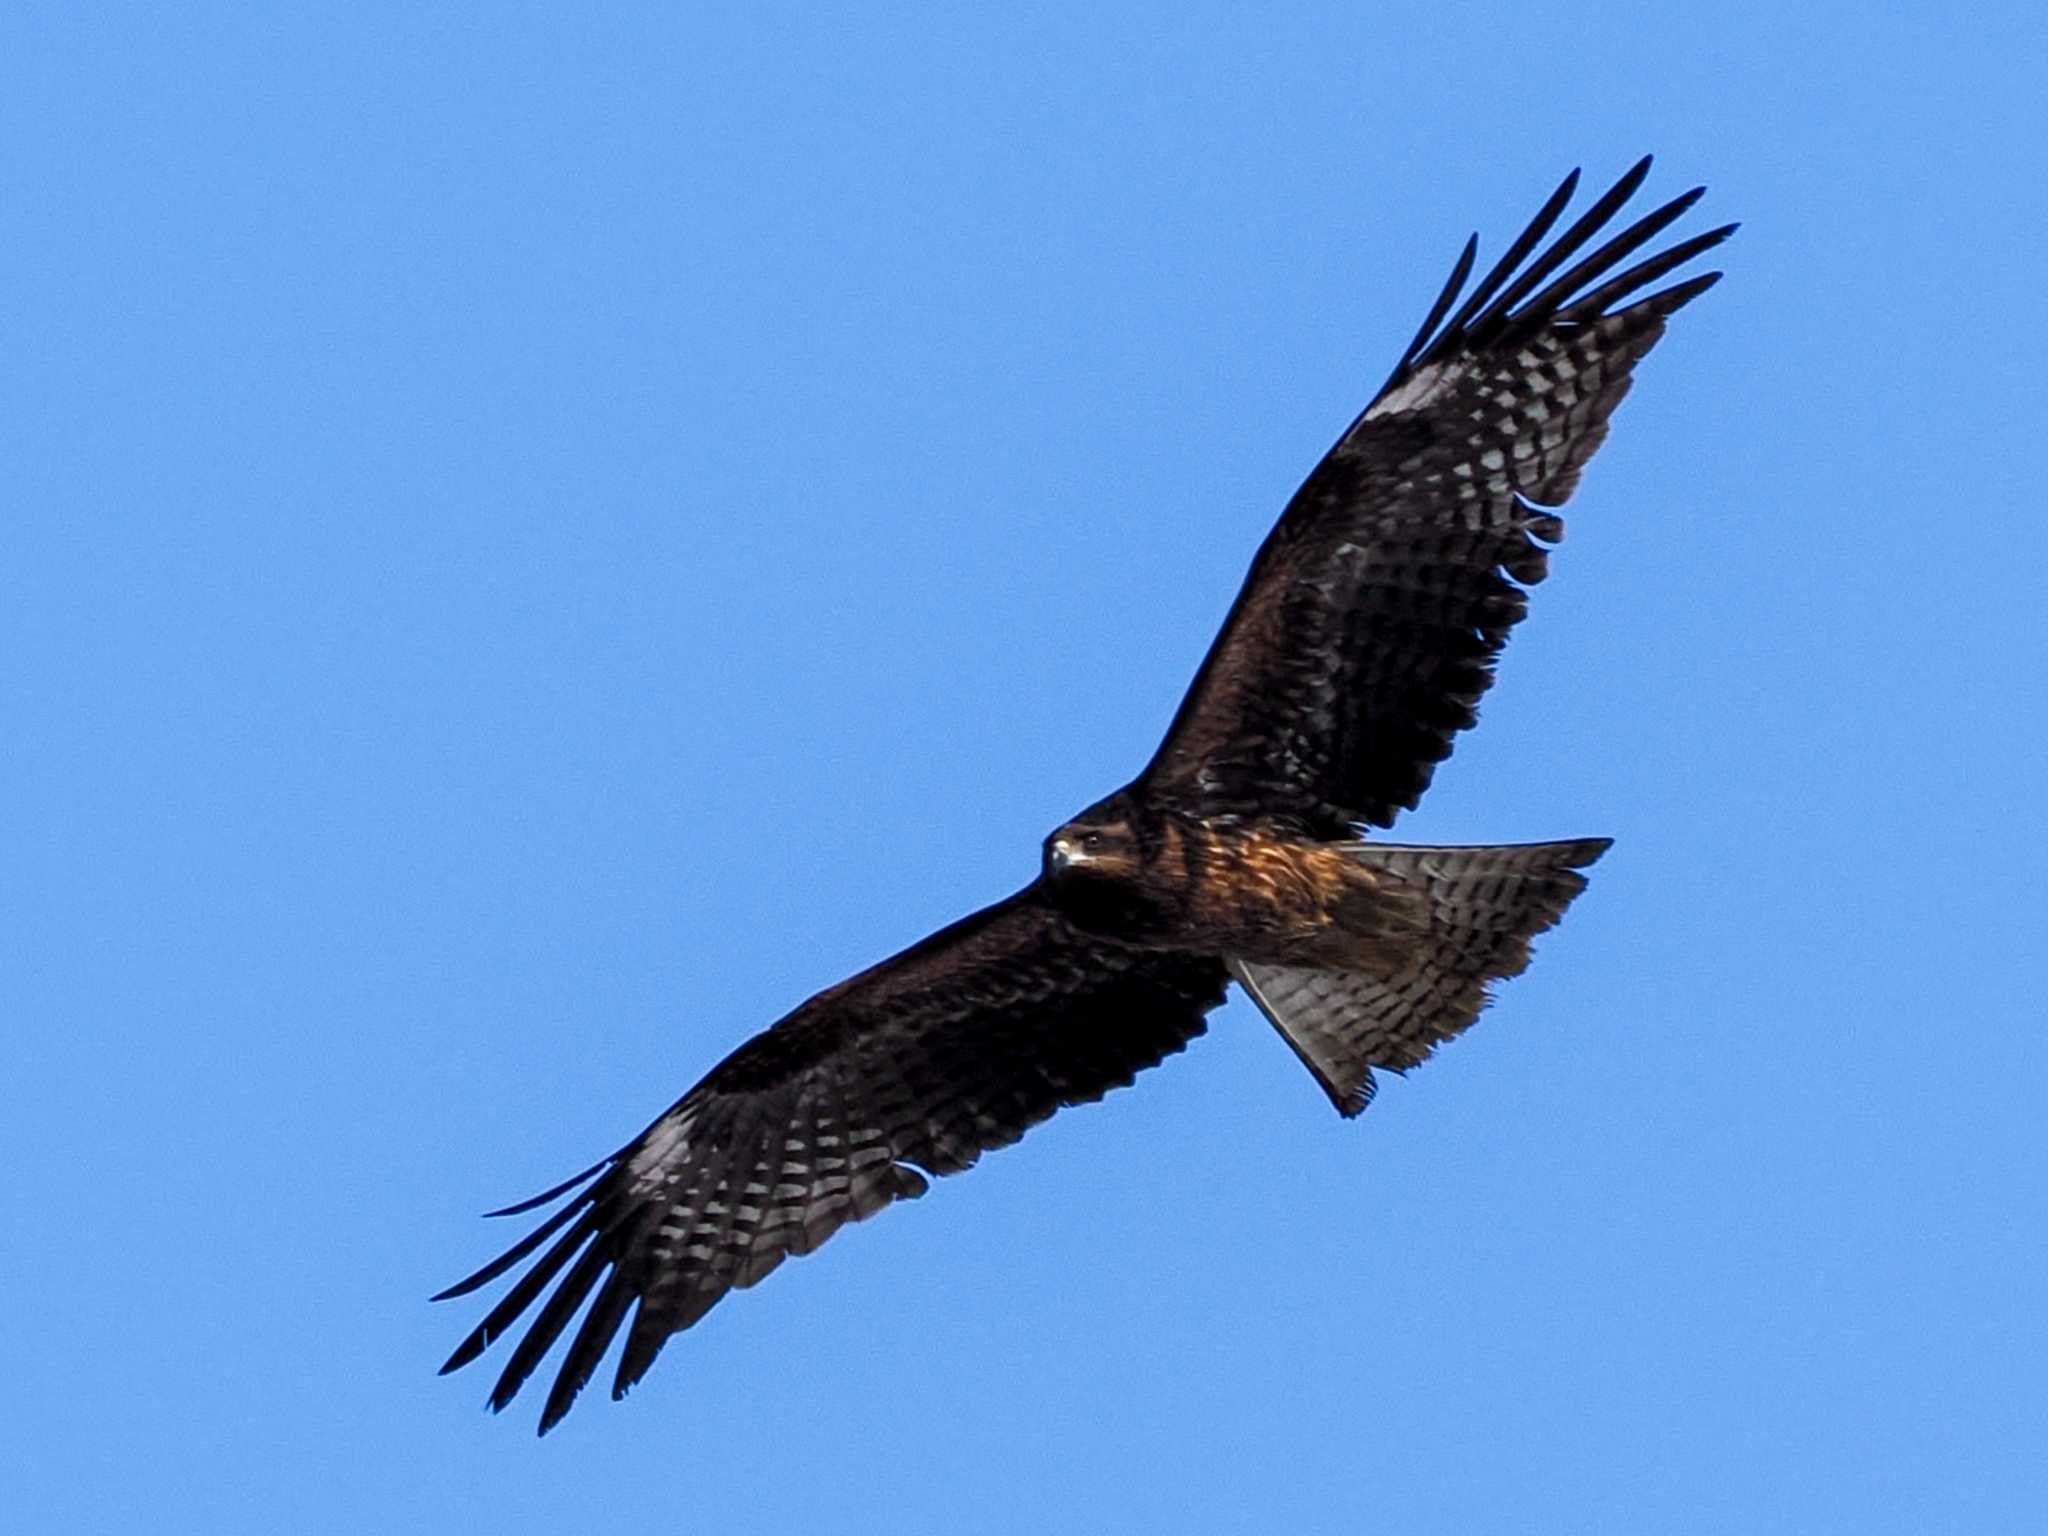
{"points": [[1419, 388], [652, 1168]]}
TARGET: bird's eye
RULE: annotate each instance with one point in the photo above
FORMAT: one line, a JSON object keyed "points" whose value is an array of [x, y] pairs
{"points": [[1091, 842]]}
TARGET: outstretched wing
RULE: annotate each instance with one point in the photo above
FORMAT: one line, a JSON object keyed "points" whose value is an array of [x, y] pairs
{"points": [[1368, 627], [954, 1047]]}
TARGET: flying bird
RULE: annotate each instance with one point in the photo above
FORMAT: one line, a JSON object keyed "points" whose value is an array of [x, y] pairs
{"points": [[1358, 648]]}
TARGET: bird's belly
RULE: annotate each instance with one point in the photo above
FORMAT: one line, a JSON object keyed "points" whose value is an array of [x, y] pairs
{"points": [[1282, 900]]}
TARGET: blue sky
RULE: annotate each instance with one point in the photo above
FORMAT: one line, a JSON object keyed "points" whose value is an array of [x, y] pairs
{"points": [[537, 540]]}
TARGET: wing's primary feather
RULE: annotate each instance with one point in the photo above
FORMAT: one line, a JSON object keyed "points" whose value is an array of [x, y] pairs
{"points": [[920, 1065], [1368, 627], [1503, 269]]}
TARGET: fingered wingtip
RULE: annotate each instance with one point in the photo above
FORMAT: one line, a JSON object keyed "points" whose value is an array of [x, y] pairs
{"points": [[465, 1352], [1681, 294], [1686, 199], [463, 1286], [1631, 179], [535, 1202]]}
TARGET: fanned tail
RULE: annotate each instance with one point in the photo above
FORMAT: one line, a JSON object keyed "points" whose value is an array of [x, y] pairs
{"points": [[1485, 905]]}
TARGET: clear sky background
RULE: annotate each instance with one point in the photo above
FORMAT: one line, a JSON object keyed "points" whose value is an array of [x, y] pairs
{"points": [[537, 537]]}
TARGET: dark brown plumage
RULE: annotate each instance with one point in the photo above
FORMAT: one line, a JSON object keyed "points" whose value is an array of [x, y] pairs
{"points": [[1358, 648]]}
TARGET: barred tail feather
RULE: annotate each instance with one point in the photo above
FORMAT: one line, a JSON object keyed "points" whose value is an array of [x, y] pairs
{"points": [[1485, 905]]}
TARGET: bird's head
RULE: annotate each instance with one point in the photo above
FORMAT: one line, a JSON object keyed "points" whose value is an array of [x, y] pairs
{"points": [[1092, 848], [1099, 870]]}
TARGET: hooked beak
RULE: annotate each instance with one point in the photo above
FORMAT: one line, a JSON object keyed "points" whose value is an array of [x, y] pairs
{"points": [[1062, 855]]}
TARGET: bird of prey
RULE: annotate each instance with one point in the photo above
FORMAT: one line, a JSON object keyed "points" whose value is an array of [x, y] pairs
{"points": [[1360, 644]]}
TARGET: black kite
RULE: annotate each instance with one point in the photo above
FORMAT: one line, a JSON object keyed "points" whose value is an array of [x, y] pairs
{"points": [[1358, 648]]}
